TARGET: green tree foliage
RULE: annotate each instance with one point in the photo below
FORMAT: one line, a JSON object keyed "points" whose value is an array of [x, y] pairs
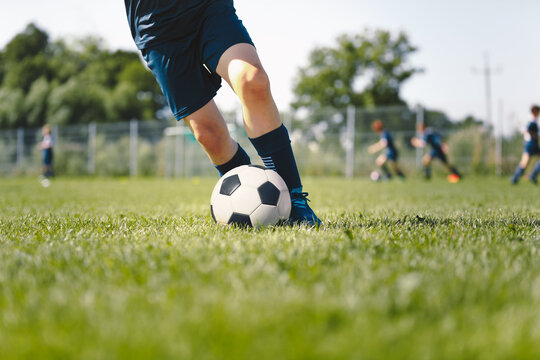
{"points": [[43, 81], [365, 70]]}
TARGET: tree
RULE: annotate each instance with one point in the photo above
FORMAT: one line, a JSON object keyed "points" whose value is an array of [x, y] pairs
{"points": [[364, 70], [31, 42], [82, 81]]}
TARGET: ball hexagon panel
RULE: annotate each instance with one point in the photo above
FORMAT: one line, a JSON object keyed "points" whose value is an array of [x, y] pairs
{"points": [[245, 200], [265, 215], [221, 208], [276, 179], [229, 185], [240, 220], [252, 176], [268, 193]]}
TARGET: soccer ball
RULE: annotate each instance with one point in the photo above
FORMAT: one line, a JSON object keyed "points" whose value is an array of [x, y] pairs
{"points": [[250, 195], [375, 176], [453, 178]]}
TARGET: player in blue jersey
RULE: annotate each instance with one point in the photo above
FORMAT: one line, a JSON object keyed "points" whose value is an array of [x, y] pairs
{"points": [[434, 140], [190, 46], [531, 149], [390, 154], [46, 147]]}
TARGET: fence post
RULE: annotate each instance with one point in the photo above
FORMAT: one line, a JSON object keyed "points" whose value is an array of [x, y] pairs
{"points": [[419, 121], [92, 131], [133, 130], [20, 148], [166, 157], [498, 140], [179, 158], [349, 146]]}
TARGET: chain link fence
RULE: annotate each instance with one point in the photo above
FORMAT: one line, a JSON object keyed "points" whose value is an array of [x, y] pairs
{"points": [[334, 143]]}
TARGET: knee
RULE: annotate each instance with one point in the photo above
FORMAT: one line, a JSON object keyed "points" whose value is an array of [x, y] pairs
{"points": [[212, 138], [254, 84]]}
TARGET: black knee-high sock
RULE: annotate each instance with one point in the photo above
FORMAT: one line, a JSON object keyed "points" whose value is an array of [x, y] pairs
{"points": [[239, 159], [275, 150], [385, 170]]}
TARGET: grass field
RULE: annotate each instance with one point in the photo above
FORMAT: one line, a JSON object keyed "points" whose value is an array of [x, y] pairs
{"points": [[135, 269]]}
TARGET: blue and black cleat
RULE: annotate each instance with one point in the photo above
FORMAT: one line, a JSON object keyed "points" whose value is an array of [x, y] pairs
{"points": [[301, 213]]}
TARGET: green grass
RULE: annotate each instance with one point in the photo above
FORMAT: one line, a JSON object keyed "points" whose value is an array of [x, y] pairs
{"points": [[121, 269]]}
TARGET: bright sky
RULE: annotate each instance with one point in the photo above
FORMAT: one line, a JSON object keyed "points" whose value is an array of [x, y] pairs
{"points": [[453, 38]]}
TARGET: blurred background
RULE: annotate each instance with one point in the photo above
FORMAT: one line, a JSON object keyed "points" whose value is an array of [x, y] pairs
{"points": [[468, 69]]}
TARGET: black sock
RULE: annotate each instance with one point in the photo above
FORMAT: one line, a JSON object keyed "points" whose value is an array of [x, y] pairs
{"points": [[386, 172], [275, 150], [239, 159]]}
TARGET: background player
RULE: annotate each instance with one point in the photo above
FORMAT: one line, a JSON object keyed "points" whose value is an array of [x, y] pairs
{"points": [[391, 154], [190, 46], [433, 139], [530, 148], [46, 147]]}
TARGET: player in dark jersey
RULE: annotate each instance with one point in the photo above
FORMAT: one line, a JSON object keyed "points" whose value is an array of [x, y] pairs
{"points": [[46, 147], [531, 149], [190, 46], [390, 154], [434, 140]]}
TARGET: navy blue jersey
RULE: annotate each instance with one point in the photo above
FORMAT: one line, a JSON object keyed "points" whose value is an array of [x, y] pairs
{"points": [[385, 135], [155, 22], [433, 138], [532, 129]]}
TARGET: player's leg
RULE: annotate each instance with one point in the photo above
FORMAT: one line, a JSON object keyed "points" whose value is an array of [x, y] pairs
{"points": [[241, 68], [396, 169], [392, 158], [535, 172], [427, 166], [47, 163], [451, 169], [520, 169], [441, 155], [381, 162], [210, 130]]}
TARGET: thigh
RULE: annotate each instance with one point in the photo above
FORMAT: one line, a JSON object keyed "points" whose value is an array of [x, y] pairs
{"points": [[381, 160], [185, 82], [221, 31], [392, 154], [531, 148], [438, 154], [524, 160]]}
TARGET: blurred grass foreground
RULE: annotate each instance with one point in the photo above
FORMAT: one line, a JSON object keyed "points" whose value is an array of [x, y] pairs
{"points": [[136, 269]]}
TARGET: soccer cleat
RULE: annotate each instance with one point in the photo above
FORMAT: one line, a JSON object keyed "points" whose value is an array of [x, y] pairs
{"points": [[301, 213]]}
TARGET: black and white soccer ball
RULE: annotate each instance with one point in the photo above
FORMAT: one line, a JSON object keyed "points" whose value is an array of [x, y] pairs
{"points": [[250, 195], [375, 176]]}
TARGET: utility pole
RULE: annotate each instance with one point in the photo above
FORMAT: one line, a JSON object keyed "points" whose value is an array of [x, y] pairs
{"points": [[488, 72]]}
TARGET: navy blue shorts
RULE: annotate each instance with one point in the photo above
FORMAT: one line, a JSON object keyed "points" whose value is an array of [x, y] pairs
{"points": [[531, 148], [186, 70], [392, 154], [438, 154], [47, 156]]}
